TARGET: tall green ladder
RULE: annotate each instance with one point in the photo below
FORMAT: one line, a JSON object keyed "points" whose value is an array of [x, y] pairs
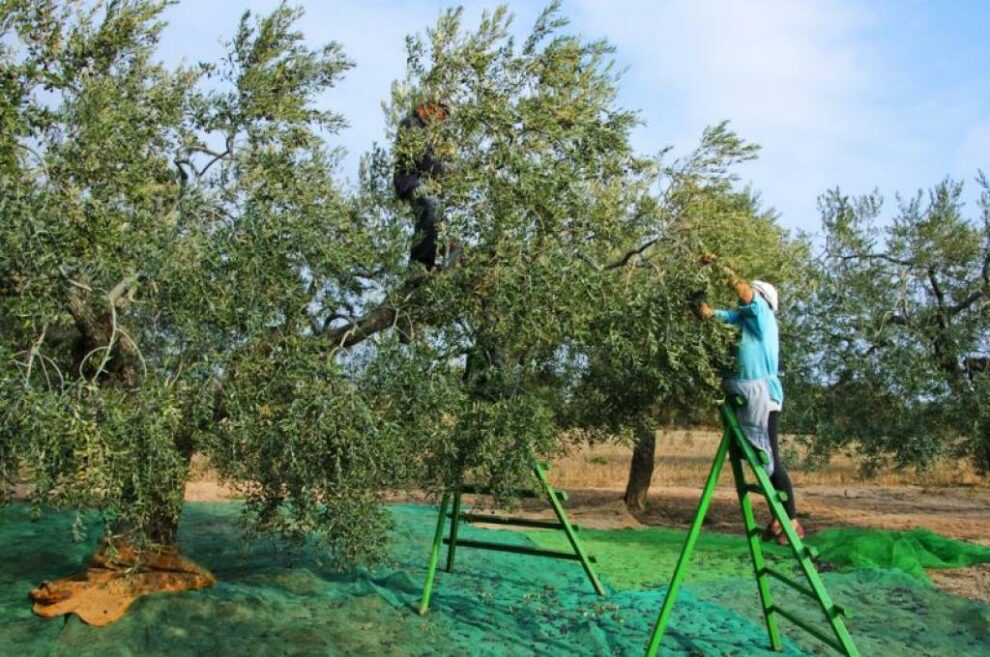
{"points": [[735, 445], [457, 515]]}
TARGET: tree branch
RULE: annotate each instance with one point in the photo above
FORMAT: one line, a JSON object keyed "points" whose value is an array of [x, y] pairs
{"points": [[122, 293], [378, 319], [966, 303], [874, 256], [100, 329], [638, 251]]}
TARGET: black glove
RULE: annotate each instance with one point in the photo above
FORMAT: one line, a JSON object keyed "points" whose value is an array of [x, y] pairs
{"points": [[698, 297]]}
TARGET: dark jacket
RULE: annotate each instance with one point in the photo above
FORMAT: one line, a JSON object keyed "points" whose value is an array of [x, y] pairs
{"points": [[410, 170]]}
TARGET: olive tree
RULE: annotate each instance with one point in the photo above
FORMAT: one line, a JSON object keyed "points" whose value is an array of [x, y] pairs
{"points": [[163, 230], [897, 329], [182, 273], [651, 364]]}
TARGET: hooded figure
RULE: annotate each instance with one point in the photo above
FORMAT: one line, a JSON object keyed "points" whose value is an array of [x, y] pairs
{"points": [[415, 164]]}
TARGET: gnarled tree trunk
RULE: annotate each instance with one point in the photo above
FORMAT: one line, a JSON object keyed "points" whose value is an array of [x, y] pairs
{"points": [[641, 466], [119, 571]]}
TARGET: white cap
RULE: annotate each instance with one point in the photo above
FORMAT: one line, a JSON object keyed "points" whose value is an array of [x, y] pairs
{"points": [[768, 292]]}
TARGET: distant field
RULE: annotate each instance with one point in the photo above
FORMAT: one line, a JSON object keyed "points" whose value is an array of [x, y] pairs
{"points": [[684, 457]]}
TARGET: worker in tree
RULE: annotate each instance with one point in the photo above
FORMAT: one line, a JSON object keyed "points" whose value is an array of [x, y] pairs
{"points": [[756, 378], [417, 164]]}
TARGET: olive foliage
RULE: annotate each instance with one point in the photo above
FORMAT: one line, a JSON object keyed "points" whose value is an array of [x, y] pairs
{"points": [[895, 356], [182, 272]]}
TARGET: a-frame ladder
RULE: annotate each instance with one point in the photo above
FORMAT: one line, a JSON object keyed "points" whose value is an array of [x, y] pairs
{"points": [[457, 515], [735, 445]]}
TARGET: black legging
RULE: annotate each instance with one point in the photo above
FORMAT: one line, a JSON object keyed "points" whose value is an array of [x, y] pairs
{"points": [[779, 478], [424, 248]]}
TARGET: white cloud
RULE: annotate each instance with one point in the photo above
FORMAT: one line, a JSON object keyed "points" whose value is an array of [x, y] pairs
{"points": [[792, 76], [836, 92]]}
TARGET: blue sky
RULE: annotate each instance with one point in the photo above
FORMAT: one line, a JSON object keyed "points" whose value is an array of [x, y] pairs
{"points": [[891, 94]]}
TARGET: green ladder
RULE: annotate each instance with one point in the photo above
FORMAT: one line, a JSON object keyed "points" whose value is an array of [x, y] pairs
{"points": [[458, 515], [737, 447]]}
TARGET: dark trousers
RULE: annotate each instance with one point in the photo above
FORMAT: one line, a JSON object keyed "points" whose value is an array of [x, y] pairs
{"points": [[779, 478], [427, 210]]}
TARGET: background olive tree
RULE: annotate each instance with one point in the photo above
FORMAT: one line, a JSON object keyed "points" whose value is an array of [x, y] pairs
{"points": [[897, 331]]}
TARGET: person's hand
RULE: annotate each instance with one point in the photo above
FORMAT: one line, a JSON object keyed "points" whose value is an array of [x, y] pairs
{"points": [[707, 258], [699, 305]]}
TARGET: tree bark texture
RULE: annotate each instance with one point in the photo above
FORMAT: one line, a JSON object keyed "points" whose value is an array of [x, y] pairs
{"points": [[641, 466]]}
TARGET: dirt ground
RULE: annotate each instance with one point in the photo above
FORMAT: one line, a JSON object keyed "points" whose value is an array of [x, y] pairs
{"points": [[950, 498]]}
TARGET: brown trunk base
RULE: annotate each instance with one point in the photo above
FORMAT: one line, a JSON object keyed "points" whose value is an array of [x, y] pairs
{"points": [[116, 578], [641, 467]]}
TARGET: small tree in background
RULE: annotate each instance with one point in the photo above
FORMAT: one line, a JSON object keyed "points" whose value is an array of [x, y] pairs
{"points": [[898, 332]]}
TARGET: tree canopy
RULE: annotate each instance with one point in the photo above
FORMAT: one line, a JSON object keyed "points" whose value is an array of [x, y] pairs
{"points": [[897, 329], [182, 270]]}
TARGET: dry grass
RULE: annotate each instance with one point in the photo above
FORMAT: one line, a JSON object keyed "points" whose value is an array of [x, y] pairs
{"points": [[684, 458]]}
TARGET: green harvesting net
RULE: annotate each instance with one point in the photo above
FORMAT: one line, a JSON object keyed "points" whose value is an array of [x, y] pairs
{"points": [[910, 552], [878, 575], [623, 553], [272, 602]]}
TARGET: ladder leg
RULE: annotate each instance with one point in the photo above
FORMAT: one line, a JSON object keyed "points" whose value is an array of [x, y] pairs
{"points": [[431, 570], [755, 551], [797, 546], [455, 523], [692, 538], [565, 523]]}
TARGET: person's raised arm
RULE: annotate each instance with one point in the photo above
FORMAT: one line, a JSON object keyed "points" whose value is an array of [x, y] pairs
{"points": [[742, 287]]}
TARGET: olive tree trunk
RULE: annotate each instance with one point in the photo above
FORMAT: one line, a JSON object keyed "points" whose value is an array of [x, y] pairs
{"points": [[641, 467]]}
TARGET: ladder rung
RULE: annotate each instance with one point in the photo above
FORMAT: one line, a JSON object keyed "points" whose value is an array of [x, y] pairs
{"points": [[755, 488], [472, 489], [518, 549], [800, 588], [506, 520], [809, 628]]}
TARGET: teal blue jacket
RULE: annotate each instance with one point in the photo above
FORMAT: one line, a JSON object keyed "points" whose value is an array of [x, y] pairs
{"points": [[758, 348]]}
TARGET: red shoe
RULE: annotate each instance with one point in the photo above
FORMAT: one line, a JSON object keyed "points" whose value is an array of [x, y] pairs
{"points": [[798, 529], [772, 531]]}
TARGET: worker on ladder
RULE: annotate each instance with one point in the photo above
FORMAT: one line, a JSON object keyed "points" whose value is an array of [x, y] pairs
{"points": [[756, 378]]}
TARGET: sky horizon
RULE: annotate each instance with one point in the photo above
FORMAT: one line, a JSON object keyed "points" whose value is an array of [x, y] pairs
{"points": [[889, 95]]}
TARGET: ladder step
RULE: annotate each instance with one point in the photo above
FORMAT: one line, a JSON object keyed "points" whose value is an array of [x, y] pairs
{"points": [[506, 520], [804, 590], [518, 549], [755, 488], [472, 489], [810, 629]]}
